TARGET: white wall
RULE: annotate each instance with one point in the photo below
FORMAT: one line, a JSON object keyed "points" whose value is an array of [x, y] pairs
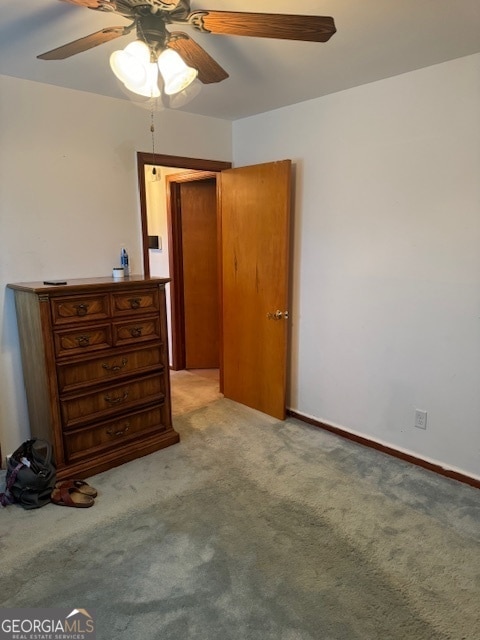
{"points": [[386, 296], [386, 299], [155, 191], [69, 197], [157, 223]]}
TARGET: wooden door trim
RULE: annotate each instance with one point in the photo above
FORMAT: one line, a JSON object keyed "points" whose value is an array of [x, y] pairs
{"points": [[180, 162], [175, 258], [220, 283], [143, 159]]}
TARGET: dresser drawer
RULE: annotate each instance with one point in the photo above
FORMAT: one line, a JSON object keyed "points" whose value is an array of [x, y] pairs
{"points": [[133, 331], [131, 302], [82, 339], [119, 397], [91, 440], [85, 308], [109, 366]]}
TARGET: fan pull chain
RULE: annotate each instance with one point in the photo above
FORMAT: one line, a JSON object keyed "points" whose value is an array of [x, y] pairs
{"points": [[152, 108], [152, 130]]}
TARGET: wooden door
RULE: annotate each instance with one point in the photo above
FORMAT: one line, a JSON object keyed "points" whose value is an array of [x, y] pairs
{"points": [[255, 221], [200, 273]]}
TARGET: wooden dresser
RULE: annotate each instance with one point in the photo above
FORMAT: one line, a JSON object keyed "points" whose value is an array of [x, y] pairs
{"points": [[95, 365]]}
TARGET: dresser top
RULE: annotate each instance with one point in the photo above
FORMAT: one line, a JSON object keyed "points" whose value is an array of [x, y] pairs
{"points": [[76, 284]]}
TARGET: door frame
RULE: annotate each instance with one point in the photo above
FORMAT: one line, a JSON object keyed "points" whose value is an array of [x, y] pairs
{"points": [[143, 159], [175, 258], [196, 167], [208, 165]]}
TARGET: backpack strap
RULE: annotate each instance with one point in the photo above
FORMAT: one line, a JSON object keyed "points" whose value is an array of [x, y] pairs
{"points": [[7, 497]]}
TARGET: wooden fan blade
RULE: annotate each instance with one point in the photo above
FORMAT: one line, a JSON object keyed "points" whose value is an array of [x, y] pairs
{"points": [[83, 44], [91, 4], [194, 55], [95, 4], [265, 25]]}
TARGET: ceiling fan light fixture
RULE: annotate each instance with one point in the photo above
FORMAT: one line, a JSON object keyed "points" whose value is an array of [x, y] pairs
{"points": [[176, 75], [150, 18], [130, 65]]}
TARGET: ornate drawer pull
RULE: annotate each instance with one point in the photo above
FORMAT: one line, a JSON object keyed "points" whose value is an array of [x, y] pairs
{"points": [[119, 432], [115, 367], [117, 399], [135, 303], [136, 332], [83, 341], [81, 309]]}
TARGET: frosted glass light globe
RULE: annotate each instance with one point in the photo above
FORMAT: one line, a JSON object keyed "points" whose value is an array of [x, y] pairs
{"points": [[130, 64]]}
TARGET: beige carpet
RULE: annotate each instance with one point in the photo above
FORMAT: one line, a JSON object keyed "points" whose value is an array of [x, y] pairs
{"points": [[193, 390], [255, 529]]}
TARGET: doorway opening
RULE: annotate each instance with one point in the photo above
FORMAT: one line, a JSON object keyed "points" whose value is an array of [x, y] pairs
{"points": [[253, 246], [187, 254]]}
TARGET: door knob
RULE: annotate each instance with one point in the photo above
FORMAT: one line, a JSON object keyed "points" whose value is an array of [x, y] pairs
{"points": [[278, 315]]}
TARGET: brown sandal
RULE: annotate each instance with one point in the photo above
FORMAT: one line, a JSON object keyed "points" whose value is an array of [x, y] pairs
{"points": [[80, 485], [67, 495]]}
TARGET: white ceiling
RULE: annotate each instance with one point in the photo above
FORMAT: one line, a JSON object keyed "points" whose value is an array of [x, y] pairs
{"points": [[375, 39]]}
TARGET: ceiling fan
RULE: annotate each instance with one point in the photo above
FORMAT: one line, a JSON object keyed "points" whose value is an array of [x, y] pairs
{"points": [[151, 17]]}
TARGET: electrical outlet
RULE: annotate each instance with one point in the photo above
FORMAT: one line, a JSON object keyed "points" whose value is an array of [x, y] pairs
{"points": [[420, 419]]}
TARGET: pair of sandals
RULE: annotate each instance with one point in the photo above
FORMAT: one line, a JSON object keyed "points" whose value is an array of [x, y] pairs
{"points": [[73, 493]]}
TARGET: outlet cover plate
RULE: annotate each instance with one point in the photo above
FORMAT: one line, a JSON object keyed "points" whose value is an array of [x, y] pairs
{"points": [[420, 419]]}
